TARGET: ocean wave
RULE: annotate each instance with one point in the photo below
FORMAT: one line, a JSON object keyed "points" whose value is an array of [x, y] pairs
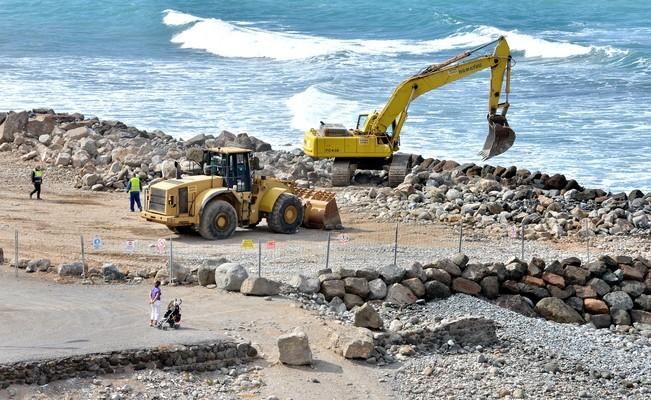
{"points": [[312, 105], [241, 40]]}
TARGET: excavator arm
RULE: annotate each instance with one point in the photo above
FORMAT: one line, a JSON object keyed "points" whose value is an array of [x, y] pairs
{"points": [[392, 117]]}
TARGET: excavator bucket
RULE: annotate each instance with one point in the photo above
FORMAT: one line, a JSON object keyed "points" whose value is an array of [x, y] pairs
{"points": [[320, 209], [500, 137]]}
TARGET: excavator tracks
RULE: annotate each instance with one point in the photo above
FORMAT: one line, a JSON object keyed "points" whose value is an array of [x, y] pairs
{"points": [[342, 171], [399, 168]]}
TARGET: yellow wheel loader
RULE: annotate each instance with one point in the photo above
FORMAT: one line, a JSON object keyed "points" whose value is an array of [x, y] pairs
{"points": [[376, 139], [228, 195]]}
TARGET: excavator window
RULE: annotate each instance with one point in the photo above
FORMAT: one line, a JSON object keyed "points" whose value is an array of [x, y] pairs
{"points": [[361, 121]]}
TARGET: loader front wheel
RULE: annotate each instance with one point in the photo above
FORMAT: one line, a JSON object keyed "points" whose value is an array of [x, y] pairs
{"points": [[218, 220], [286, 215]]}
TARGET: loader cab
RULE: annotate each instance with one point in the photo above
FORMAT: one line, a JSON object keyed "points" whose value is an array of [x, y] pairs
{"points": [[231, 163]]}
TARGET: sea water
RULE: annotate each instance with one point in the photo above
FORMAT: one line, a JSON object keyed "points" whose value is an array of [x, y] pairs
{"points": [[580, 87]]}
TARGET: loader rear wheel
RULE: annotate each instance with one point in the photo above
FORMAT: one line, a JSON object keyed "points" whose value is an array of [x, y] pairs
{"points": [[286, 215], [218, 220]]}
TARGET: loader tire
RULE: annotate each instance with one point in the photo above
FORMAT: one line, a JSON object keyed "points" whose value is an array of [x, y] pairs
{"points": [[286, 215], [218, 220]]}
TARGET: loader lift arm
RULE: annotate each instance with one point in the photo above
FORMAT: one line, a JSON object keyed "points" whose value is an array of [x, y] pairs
{"points": [[377, 136]]}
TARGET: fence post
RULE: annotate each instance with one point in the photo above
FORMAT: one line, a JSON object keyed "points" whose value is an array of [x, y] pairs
{"points": [[522, 252], [16, 253], [83, 257], [171, 262], [395, 246], [259, 258], [460, 235], [328, 252], [588, 248]]}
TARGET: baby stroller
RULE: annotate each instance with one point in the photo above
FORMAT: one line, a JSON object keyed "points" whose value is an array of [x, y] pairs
{"points": [[172, 316]]}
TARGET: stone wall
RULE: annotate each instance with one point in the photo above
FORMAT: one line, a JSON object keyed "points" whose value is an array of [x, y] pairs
{"points": [[605, 291], [196, 357]]}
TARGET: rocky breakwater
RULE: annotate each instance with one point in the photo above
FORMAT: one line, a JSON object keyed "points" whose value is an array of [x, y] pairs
{"points": [[497, 199], [104, 154], [610, 292]]}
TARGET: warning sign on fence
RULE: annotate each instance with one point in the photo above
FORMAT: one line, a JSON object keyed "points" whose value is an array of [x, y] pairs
{"points": [[97, 243], [248, 244], [270, 245], [160, 245], [130, 246], [343, 237]]}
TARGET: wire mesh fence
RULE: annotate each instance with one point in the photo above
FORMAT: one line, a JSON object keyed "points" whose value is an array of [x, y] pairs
{"points": [[275, 255]]}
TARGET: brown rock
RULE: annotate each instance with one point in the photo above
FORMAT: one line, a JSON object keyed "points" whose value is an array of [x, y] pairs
{"points": [[416, 286], [554, 279], [436, 274], [556, 310], [531, 280], [631, 273], [595, 306], [400, 294], [640, 316], [585, 292], [352, 300], [560, 293], [358, 286], [463, 285], [333, 288], [576, 275]]}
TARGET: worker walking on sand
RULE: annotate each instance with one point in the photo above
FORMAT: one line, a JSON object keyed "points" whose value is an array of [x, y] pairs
{"points": [[154, 304], [37, 179], [133, 187]]}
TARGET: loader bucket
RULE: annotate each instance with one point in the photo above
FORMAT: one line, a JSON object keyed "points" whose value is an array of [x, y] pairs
{"points": [[320, 209], [500, 137]]}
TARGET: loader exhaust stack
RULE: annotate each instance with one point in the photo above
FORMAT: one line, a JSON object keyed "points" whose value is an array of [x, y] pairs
{"points": [[321, 211], [500, 137]]}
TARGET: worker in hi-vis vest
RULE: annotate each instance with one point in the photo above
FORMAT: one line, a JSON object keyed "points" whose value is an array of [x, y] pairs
{"points": [[133, 187], [37, 179]]}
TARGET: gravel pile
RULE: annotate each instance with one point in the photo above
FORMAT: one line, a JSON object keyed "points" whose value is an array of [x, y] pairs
{"points": [[534, 359]]}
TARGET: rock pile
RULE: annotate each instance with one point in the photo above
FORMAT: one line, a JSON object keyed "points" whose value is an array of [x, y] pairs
{"points": [[494, 198], [607, 291], [104, 154]]}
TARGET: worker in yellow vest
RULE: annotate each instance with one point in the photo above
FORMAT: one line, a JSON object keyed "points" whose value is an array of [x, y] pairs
{"points": [[133, 187], [37, 179]]}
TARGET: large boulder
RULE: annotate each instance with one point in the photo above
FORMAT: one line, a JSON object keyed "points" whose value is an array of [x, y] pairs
{"points": [[333, 288], [415, 285], [294, 348], [392, 273], [619, 300], [304, 284], [13, 123], [415, 270], [357, 286], [436, 274], [41, 264], [206, 275], [557, 310], [352, 300], [229, 276], [367, 317], [517, 303], [463, 285], [353, 343], [377, 289], [400, 294], [436, 290], [71, 269], [259, 287], [110, 272]]}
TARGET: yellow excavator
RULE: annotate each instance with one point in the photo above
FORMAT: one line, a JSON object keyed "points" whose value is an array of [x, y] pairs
{"points": [[375, 141]]}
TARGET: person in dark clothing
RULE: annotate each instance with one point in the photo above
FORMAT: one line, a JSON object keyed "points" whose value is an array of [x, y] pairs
{"points": [[37, 179], [178, 169]]}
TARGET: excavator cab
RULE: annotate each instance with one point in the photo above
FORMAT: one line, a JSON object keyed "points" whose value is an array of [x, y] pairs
{"points": [[500, 137]]}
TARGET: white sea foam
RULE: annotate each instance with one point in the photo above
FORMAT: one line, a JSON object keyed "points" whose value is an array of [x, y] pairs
{"points": [[312, 105], [244, 40]]}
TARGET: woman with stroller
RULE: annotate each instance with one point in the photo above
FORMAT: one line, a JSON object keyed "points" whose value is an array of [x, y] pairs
{"points": [[154, 302]]}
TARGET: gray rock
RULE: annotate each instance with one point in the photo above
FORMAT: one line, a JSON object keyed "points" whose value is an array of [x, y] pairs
{"points": [[259, 287], [352, 300], [71, 269], [440, 275], [357, 286], [111, 273], [63, 160], [337, 305], [206, 275], [644, 302], [517, 303], [415, 285], [490, 287], [460, 260], [436, 290], [633, 288], [392, 273], [353, 344], [620, 317], [448, 266], [367, 317], [230, 276], [41, 264], [557, 310], [619, 300], [367, 273], [377, 289], [294, 348], [13, 123], [599, 286], [601, 321], [304, 284], [415, 270], [468, 331], [642, 317]]}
